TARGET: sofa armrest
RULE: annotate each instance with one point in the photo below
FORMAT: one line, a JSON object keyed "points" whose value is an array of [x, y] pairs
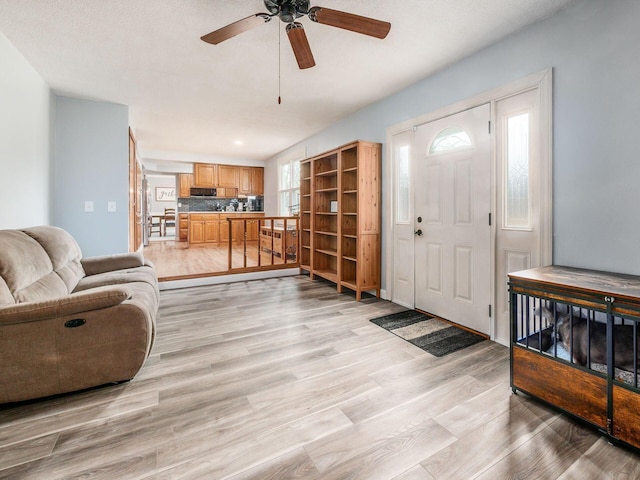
{"points": [[73, 304], [110, 263]]}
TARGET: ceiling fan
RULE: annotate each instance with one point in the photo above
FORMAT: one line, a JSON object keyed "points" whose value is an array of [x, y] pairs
{"points": [[290, 10]]}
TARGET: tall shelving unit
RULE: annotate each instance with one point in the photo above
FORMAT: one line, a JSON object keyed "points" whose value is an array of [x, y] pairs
{"points": [[340, 216]]}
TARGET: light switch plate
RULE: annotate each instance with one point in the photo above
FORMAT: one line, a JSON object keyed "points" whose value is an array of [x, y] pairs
{"points": [[88, 206], [111, 206]]}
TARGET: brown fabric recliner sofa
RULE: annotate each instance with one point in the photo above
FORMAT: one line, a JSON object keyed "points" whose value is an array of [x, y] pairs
{"points": [[67, 322]]}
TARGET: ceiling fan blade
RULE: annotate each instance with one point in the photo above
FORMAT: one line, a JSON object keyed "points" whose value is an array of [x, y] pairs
{"points": [[350, 21], [235, 28], [300, 45]]}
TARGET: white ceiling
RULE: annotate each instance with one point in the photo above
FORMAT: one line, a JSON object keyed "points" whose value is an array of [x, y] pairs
{"points": [[187, 96]]}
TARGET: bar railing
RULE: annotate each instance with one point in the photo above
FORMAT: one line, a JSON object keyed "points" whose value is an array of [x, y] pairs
{"points": [[263, 243]]}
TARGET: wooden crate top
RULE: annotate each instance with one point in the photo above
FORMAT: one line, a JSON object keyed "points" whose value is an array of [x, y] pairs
{"points": [[590, 282]]}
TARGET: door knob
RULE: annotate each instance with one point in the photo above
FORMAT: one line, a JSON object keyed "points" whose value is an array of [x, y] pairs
{"points": [[418, 232]]}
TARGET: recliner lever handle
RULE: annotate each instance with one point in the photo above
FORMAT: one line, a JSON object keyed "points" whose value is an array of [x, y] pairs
{"points": [[76, 322]]}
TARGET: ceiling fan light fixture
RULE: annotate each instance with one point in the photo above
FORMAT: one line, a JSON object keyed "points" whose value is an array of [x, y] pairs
{"points": [[288, 13], [290, 10]]}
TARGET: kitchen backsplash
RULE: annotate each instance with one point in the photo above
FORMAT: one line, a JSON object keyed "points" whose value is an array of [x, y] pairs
{"points": [[195, 204]]}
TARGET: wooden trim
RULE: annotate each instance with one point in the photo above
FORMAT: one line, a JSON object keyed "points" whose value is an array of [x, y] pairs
{"points": [[134, 208]]}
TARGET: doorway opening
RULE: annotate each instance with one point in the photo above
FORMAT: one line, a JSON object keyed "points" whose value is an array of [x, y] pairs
{"points": [[160, 207]]}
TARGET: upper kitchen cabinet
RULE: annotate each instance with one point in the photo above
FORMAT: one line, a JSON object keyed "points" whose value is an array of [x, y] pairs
{"points": [[185, 181], [245, 181], [228, 176], [257, 180], [205, 175], [230, 180], [251, 181]]}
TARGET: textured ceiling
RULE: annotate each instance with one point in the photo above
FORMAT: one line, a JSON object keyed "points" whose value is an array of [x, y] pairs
{"points": [[191, 97]]}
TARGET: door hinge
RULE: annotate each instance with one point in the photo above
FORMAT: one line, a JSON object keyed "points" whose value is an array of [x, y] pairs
{"points": [[489, 122], [489, 310], [489, 218]]}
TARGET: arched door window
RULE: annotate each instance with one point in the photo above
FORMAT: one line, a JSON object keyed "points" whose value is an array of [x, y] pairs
{"points": [[449, 139]]}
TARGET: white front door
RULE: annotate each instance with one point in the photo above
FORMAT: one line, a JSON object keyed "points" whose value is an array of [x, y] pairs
{"points": [[452, 203]]}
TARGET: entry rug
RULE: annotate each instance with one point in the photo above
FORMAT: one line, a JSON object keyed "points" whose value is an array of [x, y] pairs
{"points": [[430, 334]]}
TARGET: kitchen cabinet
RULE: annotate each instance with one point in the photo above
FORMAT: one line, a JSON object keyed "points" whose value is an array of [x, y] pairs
{"points": [[226, 192], [245, 186], [185, 181], [203, 228], [196, 232], [229, 180], [209, 228], [237, 234], [252, 230], [228, 176], [205, 175], [224, 226], [257, 180], [211, 231], [183, 227], [251, 181]]}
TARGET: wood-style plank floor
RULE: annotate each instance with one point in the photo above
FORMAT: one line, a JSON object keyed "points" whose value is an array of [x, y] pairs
{"points": [[284, 379]]}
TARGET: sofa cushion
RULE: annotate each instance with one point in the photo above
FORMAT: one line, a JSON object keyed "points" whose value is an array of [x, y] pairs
{"points": [[27, 270], [109, 263], [118, 277], [63, 250]]}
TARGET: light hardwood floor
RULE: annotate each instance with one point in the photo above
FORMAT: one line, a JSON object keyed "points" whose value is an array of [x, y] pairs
{"points": [[175, 259], [285, 378]]}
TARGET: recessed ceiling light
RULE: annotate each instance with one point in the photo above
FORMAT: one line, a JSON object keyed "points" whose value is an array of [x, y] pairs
{"points": [[238, 142]]}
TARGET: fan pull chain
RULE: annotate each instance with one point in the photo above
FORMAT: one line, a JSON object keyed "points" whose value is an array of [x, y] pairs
{"points": [[279, 55]]}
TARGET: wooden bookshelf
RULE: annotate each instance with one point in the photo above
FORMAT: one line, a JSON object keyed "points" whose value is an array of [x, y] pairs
{"points": [[341, 216]]}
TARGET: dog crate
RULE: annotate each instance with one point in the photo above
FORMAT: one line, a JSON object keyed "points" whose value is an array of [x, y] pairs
{"points": [[574, 345]]}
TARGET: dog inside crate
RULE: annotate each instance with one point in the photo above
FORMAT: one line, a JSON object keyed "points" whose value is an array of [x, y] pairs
{"points": [[579, 336]]}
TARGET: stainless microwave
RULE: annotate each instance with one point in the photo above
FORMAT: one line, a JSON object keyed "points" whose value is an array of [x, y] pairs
{"points": [[203, 192]]}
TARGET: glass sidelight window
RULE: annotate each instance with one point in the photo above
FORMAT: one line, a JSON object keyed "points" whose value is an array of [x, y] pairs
{"points": [[402, 187], [517, 179]]}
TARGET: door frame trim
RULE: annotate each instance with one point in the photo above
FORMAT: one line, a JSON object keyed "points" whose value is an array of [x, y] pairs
{"points": [[542, 82]]}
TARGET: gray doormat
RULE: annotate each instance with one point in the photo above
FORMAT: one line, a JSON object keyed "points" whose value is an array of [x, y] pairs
{"points": [[429, 333]]}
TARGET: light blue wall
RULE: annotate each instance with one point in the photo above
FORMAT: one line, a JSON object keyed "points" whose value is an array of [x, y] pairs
{"points": [[25, 138], [593, 49], [91, 156]]}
